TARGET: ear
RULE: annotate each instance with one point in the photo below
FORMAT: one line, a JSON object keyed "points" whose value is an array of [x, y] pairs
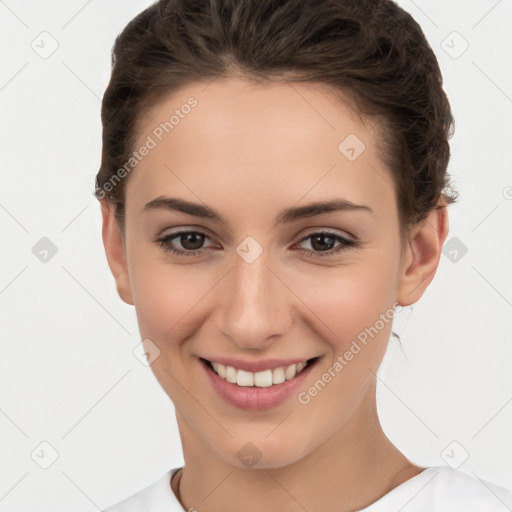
{"points": [[422, 254], [115, 252]]}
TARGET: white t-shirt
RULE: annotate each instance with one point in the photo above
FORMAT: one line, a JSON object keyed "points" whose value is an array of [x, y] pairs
{"points": [[435, 489]]}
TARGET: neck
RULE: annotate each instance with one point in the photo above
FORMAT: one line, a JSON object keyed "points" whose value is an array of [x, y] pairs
{"points": [[354, 468]]}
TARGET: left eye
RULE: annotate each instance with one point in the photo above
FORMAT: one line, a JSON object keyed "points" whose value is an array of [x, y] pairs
{"points": [[318, 241], [192, 241]]}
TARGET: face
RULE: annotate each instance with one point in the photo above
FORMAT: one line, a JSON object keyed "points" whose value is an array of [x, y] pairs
{"points": [[233, 266]]}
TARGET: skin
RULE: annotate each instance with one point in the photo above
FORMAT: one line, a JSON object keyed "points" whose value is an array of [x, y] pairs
{"points": [[251, 150]]}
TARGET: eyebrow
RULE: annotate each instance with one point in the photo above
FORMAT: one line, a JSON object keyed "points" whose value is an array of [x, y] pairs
{"points": [[286, 216]]}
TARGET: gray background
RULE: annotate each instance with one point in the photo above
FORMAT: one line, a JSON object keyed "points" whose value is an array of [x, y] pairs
{"points": [[68, 375]]}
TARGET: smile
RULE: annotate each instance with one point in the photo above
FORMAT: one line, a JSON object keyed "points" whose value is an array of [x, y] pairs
{"points": [[256, 385], [261, 379]]}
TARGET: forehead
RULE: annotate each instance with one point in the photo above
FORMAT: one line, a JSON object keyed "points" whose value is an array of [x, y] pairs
{"points": [[278, 141]]}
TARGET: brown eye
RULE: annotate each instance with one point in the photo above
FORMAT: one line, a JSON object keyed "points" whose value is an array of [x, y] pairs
{"points": [[190, 243], [323, 243]]}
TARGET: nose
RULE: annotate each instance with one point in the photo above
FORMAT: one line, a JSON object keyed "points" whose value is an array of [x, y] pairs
{"points": [[254, 308]]}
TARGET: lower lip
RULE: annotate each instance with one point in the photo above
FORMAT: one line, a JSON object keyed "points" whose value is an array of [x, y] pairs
{"points": [[254, 398]]}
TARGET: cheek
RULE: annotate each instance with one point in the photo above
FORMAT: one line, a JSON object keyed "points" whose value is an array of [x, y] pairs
{"points": [[347, 300], [339, 301], [165, 297], [354, 315]]}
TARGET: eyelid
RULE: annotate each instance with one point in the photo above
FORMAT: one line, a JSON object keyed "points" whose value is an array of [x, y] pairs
{"points": [[310, 231], [318, 229], [174, 235], [345, 242], [186, 228]]}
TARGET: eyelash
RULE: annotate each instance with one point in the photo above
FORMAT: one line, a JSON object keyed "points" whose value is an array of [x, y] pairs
{"points": [[346, 243]]}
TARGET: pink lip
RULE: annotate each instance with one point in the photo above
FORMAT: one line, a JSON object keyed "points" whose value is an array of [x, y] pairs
{"points": [[255, 398], [255, 366]]}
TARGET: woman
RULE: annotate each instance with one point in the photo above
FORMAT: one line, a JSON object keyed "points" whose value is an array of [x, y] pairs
{"points": [[273, 188]]}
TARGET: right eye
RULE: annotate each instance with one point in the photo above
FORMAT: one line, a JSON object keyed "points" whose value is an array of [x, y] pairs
{"points": [[190, 241]]}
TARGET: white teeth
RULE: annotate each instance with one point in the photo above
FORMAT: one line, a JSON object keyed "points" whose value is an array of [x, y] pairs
{"points": [[244, 378], [263, 379], [230, 374], [278, 375], [290, 371], [221, 370]]}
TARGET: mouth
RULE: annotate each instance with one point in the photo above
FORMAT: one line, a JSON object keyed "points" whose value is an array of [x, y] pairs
{"points": [[257, 391], [263, 379]]}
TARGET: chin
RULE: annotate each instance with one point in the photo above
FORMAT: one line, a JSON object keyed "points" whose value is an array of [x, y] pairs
{"points": [[262, 453]]}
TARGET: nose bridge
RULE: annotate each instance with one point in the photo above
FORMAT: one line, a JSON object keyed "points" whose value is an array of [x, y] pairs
{"points": [[254, 307]]}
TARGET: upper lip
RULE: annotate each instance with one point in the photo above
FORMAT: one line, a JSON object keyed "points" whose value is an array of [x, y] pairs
{"points": [[256, 366]]}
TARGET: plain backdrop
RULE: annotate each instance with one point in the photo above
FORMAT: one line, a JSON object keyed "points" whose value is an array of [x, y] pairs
{"points": [[74, 397]]}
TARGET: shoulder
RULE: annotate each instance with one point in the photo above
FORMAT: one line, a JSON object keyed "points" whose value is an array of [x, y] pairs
{"points": [[157, 497], [443, 489]]}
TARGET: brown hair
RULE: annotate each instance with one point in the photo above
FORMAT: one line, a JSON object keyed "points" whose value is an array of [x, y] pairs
{"points": [[371, 51]]}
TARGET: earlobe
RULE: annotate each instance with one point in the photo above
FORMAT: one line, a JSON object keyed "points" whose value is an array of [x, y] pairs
{"points": [[422, 255], [115, 253]]}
